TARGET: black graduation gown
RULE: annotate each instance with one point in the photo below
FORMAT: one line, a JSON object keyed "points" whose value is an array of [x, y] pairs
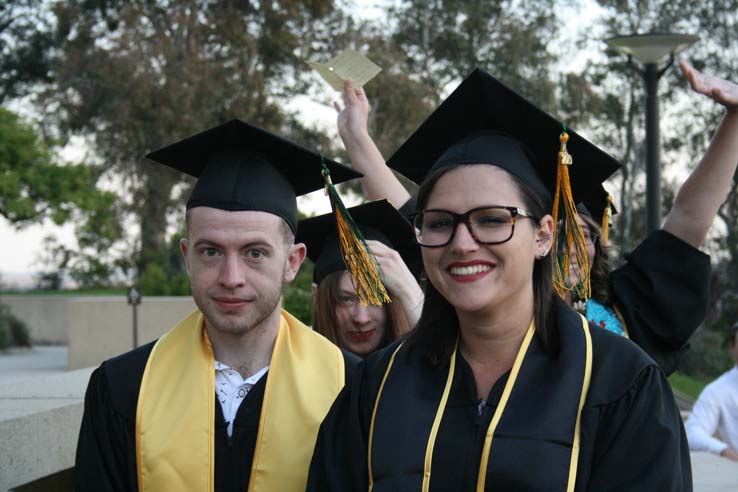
{"points": [[631, 433], [106, 450], [662, 291]]}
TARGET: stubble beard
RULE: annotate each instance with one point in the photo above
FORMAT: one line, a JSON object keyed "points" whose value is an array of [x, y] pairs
{"points": [[252, 319]]}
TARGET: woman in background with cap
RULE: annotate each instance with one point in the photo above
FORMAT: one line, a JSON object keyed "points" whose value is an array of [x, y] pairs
{"points": [[337, 311], [661, 318], [501, 386], [661, 292]]}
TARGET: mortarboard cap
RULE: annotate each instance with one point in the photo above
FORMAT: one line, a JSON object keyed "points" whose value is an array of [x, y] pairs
{"points": [[242, 167], [377, 220], [485, 122], [598, 207], [594, 204]]}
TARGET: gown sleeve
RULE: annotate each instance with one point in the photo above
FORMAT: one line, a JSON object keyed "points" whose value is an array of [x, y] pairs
{"points": [[662, 293], [409, 208], [104, 460], [640, 444]]}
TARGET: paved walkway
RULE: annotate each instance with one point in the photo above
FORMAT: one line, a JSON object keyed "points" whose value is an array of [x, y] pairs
{"points": [[19, 364]]}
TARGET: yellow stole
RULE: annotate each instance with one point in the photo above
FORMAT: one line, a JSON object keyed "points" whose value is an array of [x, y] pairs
{"points": [[175, 416]]}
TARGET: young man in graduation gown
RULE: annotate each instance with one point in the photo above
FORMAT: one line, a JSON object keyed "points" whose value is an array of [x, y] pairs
{"points": [[231, 398]]}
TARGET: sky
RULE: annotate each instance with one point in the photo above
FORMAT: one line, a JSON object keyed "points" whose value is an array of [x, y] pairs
{"points": [[22, 249]]}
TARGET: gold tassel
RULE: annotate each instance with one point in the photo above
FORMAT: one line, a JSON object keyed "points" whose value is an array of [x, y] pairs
{"points": [[569, 233], [606, 220], [360, 263]]}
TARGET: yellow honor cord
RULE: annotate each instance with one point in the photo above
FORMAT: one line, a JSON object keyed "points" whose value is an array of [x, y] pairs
{"points": [[606, 220], [574, 461], [568, 234], [510, 383], [374, 414], [622, 321], [482, 476], [437, 421]]}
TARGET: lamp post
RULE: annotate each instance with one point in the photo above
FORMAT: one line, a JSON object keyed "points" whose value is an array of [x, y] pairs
{"points": [[651, 50]]}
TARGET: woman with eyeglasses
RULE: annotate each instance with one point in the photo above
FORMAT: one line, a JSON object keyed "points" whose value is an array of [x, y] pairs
{"points": [[338, 313], [659, 297], [501, 386]]}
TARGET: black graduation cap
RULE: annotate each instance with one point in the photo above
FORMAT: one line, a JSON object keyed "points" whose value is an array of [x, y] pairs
{"points": [[242, 167], [377, 220], [485, 122], [594, 204]]}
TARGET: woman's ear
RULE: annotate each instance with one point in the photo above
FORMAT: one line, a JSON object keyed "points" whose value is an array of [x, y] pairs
{"points": [[544, 236]]}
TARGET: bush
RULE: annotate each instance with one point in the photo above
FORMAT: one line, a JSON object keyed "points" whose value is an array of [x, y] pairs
{"points": [[155, 282], [4, 335], [298, 296], [19, 333], [707, 357], [13, 332]]}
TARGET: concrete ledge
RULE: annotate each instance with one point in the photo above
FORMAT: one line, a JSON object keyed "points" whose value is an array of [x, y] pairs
{"points": [[45, 316], [39, 424], [101, 327], [712, 473]]}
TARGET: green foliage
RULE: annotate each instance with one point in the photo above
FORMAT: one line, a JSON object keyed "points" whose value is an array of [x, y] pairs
{"points": [[687, 385], [32, 186], [298, 296], [5, 340], [13, 332], [25, 42], [445, 40], [707, 357], [166, 275], [155, 282]]}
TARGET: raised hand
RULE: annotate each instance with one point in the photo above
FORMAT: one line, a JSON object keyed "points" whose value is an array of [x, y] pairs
{"points": [[720, 90], [398, 279], [353, 117]]}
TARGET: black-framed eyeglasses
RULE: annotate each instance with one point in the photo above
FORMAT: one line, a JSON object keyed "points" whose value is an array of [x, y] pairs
{"points": [[487, 225]]}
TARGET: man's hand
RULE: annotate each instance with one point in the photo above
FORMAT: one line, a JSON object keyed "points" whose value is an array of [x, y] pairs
{"points": [[721, 91]]}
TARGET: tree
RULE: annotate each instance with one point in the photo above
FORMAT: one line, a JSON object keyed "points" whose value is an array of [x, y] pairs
{"points": [[444, 41], [614, 105], [32, 186], [138, 75], [25, 43]]}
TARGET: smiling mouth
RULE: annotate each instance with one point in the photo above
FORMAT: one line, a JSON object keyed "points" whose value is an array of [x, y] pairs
{"points": [[229, 303], [469, 270], [361, 336], [469, 273]]}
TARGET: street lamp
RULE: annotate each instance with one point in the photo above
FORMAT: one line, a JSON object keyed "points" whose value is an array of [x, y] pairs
{"points": [[651, 50]]}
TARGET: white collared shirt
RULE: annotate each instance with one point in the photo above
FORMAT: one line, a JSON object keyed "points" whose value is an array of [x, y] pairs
{"points": [[716, 410], [231, 389]]}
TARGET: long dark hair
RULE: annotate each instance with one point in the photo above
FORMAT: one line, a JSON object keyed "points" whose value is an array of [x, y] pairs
{"points": [[438, 326], [599, 274]]}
